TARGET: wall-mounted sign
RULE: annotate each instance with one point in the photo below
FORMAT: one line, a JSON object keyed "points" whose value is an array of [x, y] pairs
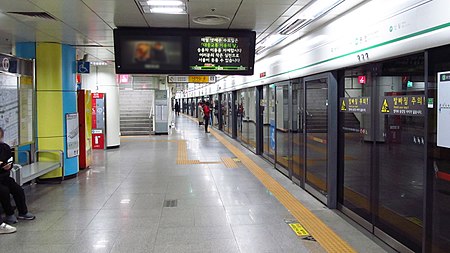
{"points": [[443, 110], [362, 79], [355, 104], [9, 108], [72, 135], [191, 79], [403, 105], [83, 67], [262, 75], [123, 79]]}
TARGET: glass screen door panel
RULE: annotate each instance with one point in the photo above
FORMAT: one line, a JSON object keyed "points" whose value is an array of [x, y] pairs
{"points": [[358, 140], [227, 113], [250, 118], [316, 116], [298, 134], [401, 149], [240, 115], [269, 122], [282, 125]]}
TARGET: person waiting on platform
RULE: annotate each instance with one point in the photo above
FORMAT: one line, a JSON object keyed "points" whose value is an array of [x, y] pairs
{"points": [[9, 187], [177, 108], [200, 114], [207, 115]]}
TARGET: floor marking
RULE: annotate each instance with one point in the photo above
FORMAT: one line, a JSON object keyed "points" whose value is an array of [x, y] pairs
{"points": [[325, 236], [182, 154], [229, 162]]}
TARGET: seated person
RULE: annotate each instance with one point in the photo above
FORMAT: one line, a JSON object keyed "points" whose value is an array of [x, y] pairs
{"points": [[9, 186], [5, 228]]}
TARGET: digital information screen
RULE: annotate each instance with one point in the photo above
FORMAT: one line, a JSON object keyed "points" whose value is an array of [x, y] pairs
{"points": [[145, 54], [184, 51], [216, 53]]}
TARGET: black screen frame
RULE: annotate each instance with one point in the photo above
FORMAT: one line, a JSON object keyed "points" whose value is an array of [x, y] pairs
{"points": [[185, 36]]}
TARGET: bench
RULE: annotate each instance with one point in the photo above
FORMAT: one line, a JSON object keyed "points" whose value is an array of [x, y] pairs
{"points": [[31, 171]]}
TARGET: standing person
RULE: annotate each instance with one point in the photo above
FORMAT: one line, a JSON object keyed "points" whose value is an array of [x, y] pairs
{"points": [[177, 108], [9, 186], [207, 113], [200, 114]]}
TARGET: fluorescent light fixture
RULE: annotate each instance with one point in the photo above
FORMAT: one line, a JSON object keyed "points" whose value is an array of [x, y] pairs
{"points": [[168, 10], [98, 63], [272, 40], [308, 14], [165, 3], [318, 8]]}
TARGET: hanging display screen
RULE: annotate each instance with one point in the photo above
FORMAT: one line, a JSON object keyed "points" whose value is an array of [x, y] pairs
{"points": [[139, 53], [220, 53], [184, 51]]}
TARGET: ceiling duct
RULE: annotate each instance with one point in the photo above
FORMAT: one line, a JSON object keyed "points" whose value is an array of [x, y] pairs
{"points": [[293, 27], [33, 15]]}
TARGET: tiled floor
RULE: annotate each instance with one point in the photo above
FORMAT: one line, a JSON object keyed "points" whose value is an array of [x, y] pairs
{"points": [[117, 205]]}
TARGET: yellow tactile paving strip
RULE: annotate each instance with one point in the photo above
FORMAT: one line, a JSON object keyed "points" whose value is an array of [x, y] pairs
{"points": [[182, 154], [326, 237], [229, 162]]}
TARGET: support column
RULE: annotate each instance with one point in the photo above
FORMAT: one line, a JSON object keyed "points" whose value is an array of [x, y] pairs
{"points": [[55, 97]]}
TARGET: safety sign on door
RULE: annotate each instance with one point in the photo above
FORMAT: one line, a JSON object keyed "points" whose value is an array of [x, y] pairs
{"points": [[443, 107]]}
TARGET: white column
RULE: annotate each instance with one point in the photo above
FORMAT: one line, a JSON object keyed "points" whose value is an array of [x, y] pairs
{"points": [[103, 80]]}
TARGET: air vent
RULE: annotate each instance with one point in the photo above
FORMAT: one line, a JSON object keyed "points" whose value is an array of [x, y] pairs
{"points": [[293, 27], [34, 15], [211, 20], [170, 203]]}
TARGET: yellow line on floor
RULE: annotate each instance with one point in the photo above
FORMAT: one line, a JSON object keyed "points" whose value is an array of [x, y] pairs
{"points": [[229, 162], [325, 236]]}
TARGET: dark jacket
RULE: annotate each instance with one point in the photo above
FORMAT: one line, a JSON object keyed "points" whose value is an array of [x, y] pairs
{"points": [[5, 155]]}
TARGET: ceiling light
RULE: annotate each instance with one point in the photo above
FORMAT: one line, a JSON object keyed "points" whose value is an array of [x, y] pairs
{"points": [[168, 10], [318, 8], [307, 15], [164, 3], [98, 63], [272, 40]]}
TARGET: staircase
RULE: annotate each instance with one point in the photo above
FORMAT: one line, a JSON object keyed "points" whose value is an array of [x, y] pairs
{"points": [[135, 107]]}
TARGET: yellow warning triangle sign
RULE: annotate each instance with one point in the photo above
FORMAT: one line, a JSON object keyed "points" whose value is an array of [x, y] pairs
{"points": [[344, 106], [385, 107]]}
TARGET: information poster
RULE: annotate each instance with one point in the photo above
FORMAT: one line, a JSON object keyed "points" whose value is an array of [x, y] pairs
{"points": [[9, 109], [26, 109], [443, 107], [73, 135]]}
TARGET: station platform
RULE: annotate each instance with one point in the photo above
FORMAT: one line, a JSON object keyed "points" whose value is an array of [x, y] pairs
{"points": [[185, 192]]}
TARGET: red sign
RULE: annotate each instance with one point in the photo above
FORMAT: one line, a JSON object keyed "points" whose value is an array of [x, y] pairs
{"points": [[124, 79], [263, 74], [78, 78], [98, 141], [94, 112], [98, 95], [362, 79]]}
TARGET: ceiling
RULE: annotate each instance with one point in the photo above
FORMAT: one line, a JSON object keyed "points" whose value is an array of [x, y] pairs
{"points": [[88, 24]]}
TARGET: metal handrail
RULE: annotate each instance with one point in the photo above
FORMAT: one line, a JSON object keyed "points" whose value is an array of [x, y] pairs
{"points": [[27, 152]]}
